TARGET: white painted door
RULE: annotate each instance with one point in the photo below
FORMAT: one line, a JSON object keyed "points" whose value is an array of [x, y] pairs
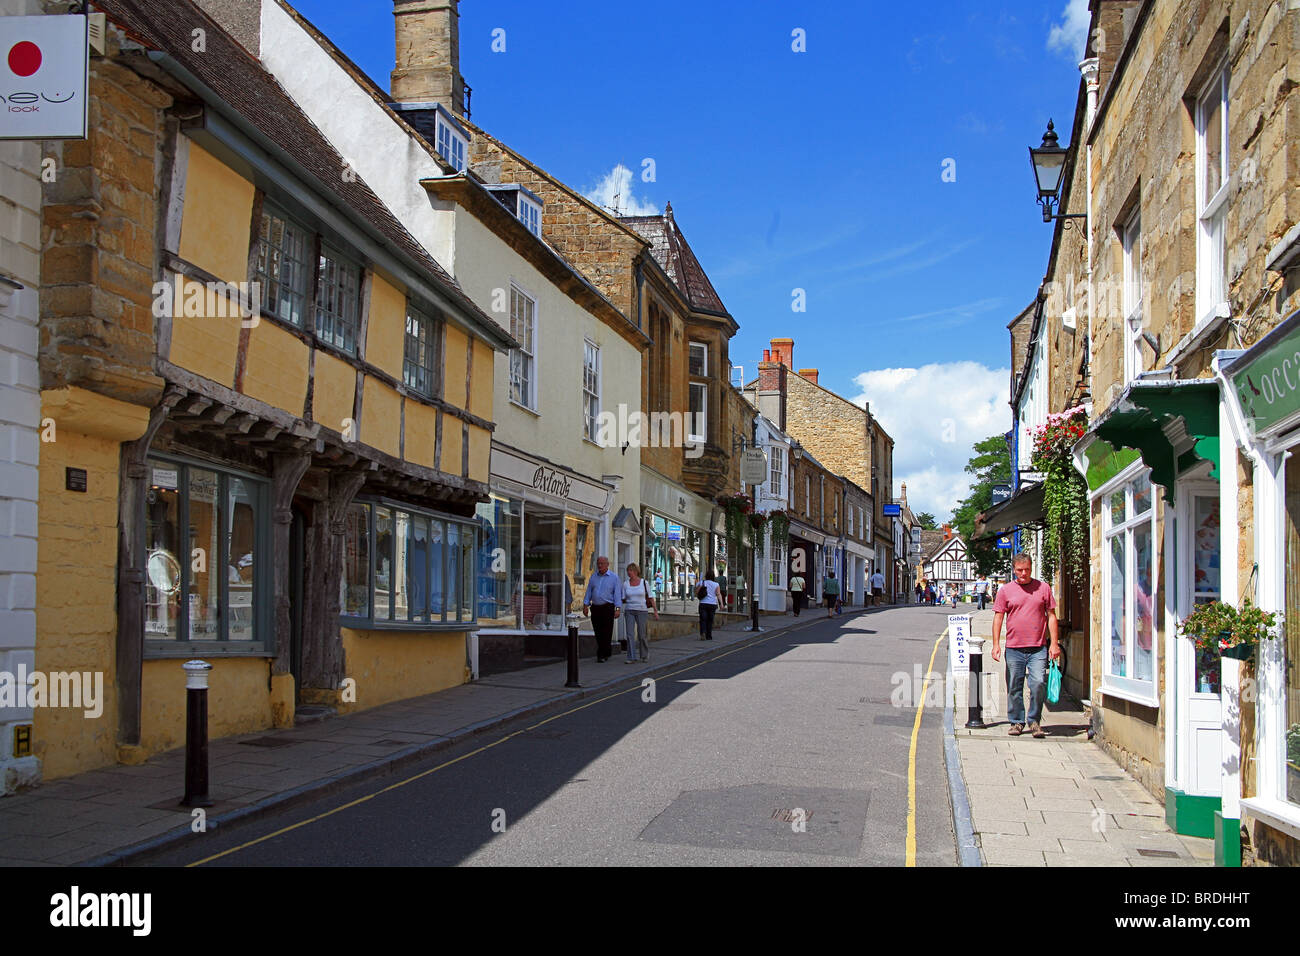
{"points": [[1199, 707]]}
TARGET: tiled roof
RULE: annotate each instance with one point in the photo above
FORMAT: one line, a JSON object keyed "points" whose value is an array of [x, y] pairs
{"points": [[674, 254], [239, 80]]}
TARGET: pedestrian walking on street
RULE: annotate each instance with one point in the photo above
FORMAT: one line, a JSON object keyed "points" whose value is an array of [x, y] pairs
{"points": [[877, 587], [1029, 609], [930, 596], [602, 601], [797, 587], [920, 594], [982, 590], [830, 593], [637, 604], [708, 605]]}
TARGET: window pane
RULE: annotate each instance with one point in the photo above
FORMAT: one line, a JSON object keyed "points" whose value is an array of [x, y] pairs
{"points": [[337, 299], [1141, 495], [383, 563], [699, 359], [162, 539], [498, 563], [282, 267], [544, 599], [204, 600], [419, 364], [1213, 133], [467, 573], [417, 567], [241, 548], [437, 548], [698, 425], [1143, 603], [402, 596], [1118, 627], [453, 591], [354, 600]]}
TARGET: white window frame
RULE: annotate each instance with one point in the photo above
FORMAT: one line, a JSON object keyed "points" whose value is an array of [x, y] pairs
{"points": [[451, 143], [776, 565], [774, 483], [848, 517], [698, 424], [590, 389], [1211, 211], [807, 495], [1144, 692], [527, 357], [530, 214], [1133, 296]]}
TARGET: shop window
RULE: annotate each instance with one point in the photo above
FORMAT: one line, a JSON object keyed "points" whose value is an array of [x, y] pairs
{"points": [[547, 593], [419, 569], [498, 563], [1128, 589], [284, 250], [205, 530]]}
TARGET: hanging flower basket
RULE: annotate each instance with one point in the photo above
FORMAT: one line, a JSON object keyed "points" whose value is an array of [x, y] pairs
{"points": [[1065, 494], [1223, 629], [779, 521], [735, 509]]}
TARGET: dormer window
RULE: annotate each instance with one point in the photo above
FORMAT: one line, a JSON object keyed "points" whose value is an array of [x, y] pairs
{"points": [[530, 213], [452, 143]]}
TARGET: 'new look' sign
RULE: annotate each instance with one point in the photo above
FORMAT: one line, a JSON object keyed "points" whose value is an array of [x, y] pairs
{"points": [[44, 62]]}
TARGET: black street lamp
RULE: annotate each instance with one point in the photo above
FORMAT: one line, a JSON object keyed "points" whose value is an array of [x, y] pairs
{"points": [[1048, 161]]}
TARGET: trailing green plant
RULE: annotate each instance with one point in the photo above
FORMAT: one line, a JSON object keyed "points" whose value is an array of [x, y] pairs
{"points": [[1217, 627], [1065, 494], [757, 531], [779, 521], [735, 511]]}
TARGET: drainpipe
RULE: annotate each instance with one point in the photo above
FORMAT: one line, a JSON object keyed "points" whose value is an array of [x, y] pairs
{"points": [[1090, 68]]}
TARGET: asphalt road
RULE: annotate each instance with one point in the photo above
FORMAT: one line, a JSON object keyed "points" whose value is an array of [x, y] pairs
{"points": [[791, 751]]}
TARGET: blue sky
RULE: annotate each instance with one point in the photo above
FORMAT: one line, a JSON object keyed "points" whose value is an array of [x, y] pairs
{"points": [[819, 170]]}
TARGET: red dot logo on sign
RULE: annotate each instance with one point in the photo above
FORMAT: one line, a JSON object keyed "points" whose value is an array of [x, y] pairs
{"points": [[25, 58]]}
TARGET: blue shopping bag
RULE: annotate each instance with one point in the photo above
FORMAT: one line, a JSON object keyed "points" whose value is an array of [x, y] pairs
{"points": [[1053, 682]]}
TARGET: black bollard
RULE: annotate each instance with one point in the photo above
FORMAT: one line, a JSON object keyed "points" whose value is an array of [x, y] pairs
{"points": [[573, 652], [196, 734], [975, 685]]}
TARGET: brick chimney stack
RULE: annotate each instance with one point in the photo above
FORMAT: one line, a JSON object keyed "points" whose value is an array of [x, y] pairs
{"points": [[428, 54], [947, 532], [783, 352], [810, 374]]}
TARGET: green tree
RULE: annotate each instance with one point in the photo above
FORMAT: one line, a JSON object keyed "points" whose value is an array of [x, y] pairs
{"points": [[927, 522], [990, 465]]}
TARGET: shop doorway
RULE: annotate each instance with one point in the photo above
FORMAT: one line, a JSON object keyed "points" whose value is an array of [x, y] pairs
{"points": [[297, 547]]}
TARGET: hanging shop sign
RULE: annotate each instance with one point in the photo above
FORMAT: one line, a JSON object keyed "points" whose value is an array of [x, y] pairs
{"points": [[1267, 378], [44, 63], [753, 466]]}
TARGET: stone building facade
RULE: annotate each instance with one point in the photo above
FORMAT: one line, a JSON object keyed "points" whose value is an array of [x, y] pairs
{"points": [[1184, 161]]}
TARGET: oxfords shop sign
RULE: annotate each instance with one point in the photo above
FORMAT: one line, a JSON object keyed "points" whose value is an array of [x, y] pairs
{"points": [[43, 69], [1267, 378], [549, 480]]}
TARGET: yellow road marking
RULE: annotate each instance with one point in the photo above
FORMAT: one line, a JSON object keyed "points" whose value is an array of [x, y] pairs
{"points": [[448, 763], [911, 760]]}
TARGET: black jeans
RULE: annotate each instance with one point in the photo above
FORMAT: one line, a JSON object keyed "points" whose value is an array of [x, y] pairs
{"points": [[796, 598], [706, 620], [602, 622]]}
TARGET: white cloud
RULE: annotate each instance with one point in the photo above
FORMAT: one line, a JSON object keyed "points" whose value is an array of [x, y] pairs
{"points": [[614, 192], [935, 414], [1070, 36]]}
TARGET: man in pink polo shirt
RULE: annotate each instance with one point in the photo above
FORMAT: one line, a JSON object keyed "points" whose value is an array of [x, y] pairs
{"points": [[1029, 610]]}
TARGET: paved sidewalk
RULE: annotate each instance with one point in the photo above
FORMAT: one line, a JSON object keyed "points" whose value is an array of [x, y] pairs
{"points": [[1059, 801], [118, 813]]}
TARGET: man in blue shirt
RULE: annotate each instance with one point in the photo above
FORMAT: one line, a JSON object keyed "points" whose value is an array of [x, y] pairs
{"points": [[602, 602]]}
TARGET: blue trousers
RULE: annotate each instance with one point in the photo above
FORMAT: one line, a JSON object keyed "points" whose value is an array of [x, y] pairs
{"points": [[1025, 662]]}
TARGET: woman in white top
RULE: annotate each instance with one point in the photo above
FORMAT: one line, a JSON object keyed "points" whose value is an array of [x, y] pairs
{"points": [[708, 605], [636, 602]]}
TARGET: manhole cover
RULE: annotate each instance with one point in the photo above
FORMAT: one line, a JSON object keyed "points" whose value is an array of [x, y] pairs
{"points": [[1170, 854], [268, 742], [814, 820]]}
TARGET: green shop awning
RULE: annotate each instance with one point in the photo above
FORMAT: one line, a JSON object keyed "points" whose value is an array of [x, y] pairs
{"points": [[1169, 424]]}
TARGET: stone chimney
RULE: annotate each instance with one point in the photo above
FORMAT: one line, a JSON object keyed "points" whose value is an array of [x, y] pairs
{"points": [[810, 374], [783, 352], [428, 54]]}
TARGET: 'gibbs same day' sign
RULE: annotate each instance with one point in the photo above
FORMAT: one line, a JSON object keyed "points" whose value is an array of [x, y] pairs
{"points": [[43, 68]]}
